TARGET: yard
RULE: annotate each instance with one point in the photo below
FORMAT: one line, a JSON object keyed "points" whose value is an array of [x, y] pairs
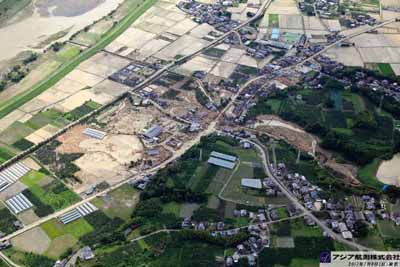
{"points": [[299, 228]]}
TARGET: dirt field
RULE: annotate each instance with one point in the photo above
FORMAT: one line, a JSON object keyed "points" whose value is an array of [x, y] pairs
{"points": [[103, 160], [34, 240]]}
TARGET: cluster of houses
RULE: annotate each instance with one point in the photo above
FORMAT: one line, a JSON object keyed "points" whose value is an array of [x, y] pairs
{"points": [[213, 14], [142, 182], [327, 8], [362, 79], [134, 73], [343, 217]]}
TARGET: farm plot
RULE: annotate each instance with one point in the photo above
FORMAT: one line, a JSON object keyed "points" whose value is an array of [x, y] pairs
{"points": [[119, 203], [64, 236], [46, 193]]}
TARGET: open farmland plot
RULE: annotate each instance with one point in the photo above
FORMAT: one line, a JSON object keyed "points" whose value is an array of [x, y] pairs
{"points": [[119, 203], [48, 191], [387, 229], [64, 237]]}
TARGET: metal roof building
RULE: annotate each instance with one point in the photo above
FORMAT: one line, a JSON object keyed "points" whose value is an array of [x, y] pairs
{"points": [[221, 163], [252, 183], [19, 203], [94, 133], [77, 213], [223, 156], [153, 132], [12, 174], [275, 34]]}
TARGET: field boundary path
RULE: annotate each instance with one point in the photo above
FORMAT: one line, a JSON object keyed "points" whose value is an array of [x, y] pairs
{"points": [[69, 66]]}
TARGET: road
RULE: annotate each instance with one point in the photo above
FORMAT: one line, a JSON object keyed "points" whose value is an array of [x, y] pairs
{"points": [[326, 48], [265, 158], [210, 129]]}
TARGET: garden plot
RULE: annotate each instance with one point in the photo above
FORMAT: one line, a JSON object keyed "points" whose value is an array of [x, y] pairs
{"points": [[81, 98], [291, 22], [103, 64], [248, 61], [380, 54], [374, 40], [34, 106], [233, 55], [390, 3], [42, 134], [69, 86], [184, 45], [52, 96], [198, 63], [348, 56], [119, 203], [153, 47], [284, 7], [333, 24], [223, 69], [110, 88], [151, 27], [132, 38], [8, 120], [202, 30], [35, 240], [85, 78], [182, 27], [313, 23]]}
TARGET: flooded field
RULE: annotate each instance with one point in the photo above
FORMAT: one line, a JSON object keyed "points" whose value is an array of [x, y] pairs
{"points": [[389, 171], [48, 20]]}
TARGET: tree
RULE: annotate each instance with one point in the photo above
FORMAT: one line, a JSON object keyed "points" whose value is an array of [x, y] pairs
{"points": [[360, 229], [365, 121]]}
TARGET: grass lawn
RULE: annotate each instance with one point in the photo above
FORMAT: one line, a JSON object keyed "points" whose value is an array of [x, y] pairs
{"points": [[32, 178], [119, 203], [68, 52], [356, 100], [275, 105], [48, 194], [235, 191], [282, 213], [367, 174], [299, 228], [218, 181], [241, 221], [172, 207], [69, 66], [387, 229], [143, 245], [373, 240]]}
